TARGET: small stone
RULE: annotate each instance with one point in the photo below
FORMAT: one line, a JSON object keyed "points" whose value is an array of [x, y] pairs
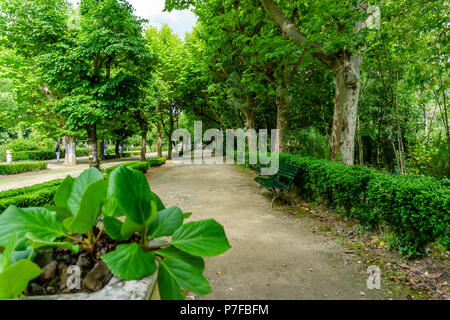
{"points": [[37, 290], [362, 293], [49, 271], [50, 290], [66, 290], [311, 269], [98, 277], [218, 273], [83, 260], [284, 265], [63, 275]]}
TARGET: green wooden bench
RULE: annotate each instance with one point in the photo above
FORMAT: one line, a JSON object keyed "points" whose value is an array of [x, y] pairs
{"points": [[281, 181]]}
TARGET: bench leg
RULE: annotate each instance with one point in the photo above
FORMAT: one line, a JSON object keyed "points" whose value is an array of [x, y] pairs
{"points": [[275, 196]]}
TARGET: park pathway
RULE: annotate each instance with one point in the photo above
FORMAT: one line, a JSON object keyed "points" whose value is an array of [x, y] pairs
{"points": [[272, 256]]}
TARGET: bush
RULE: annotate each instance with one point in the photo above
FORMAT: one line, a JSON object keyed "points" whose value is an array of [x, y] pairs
{"points": [[155, 162], [15, 168], [33, 188], [141, 166], [81, 152], [36, 155], [415, 208], [40, 197]]}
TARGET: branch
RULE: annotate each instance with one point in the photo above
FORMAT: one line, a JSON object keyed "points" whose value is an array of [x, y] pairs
{"points": [[292, 32]]}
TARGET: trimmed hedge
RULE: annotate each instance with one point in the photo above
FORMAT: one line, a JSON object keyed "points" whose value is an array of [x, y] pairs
{"points": [[415, 208], [15, 168], [33, 188], [141, 166], [156, 162], [36, 198]]}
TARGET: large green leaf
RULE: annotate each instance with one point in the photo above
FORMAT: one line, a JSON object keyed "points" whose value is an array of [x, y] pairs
{"points": [[113, 228], [86, 217], [129, 227], [63, 192], [167, 221], [79, 186], [40, 222], [5, 257], [37, 243], [130, 262], [204, 238], [159, 204], [173, 253], [131, 191], [63, 213], [111, 208], [175, 276], [14, 279]]}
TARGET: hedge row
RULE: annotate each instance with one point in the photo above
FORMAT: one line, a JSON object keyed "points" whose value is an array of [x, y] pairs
{"points": [[155, 162], [36, 187], [141, 166], [36, 198], [415, 208], [39, 155], [15, 168]]}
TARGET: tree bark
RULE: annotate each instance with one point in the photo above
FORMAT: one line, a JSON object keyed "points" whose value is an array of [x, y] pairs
{"points": [[93, 146], [143, 145], [101, 151], [283, 101], [70, 158], [347, 81]]}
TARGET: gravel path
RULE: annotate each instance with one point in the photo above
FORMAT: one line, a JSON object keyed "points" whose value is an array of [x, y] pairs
{"points": [[272, 256]]}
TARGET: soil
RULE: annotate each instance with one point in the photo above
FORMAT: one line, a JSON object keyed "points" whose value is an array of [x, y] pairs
{"points": [[94, 273]]}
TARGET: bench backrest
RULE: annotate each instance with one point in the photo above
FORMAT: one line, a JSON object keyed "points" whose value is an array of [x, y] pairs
{"points": [[288, 172]]}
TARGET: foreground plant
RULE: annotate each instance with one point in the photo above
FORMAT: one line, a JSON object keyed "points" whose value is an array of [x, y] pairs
{"points": [[152, 237]]}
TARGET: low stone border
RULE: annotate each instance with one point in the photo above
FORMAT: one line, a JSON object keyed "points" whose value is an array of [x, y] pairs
{"points": [[116, 289]]}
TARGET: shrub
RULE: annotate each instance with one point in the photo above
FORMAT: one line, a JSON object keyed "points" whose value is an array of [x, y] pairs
{"points": [[40, 197], [33, 188], [155, 162], [15, 168], [81, 152], [140, 166], [415, 208], [36, 155]]}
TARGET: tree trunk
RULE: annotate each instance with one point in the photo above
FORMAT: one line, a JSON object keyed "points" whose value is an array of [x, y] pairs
{"points": [[347, 79], [93, 146], [283, 101], [143, 145], [70, 158], [102, 150], [159, 133], [116, 149], [169, 137]]}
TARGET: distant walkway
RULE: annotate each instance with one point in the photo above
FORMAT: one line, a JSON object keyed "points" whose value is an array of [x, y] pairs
{"points": [[57, 171]]}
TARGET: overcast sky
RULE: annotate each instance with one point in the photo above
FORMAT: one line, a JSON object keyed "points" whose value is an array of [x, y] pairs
{"points": [[178, 21]]}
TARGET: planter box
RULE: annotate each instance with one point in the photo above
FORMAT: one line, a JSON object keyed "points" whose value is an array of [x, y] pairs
{"points": [[116, 289]]}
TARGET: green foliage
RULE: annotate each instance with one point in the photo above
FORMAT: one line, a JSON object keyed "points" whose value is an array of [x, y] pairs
{"points": [[415, 208], [16, 168], [35, 155], [308, 142], [33, 198], [36, 187], [141, 166], [14, 276], [156, 162], [81, 203]]}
